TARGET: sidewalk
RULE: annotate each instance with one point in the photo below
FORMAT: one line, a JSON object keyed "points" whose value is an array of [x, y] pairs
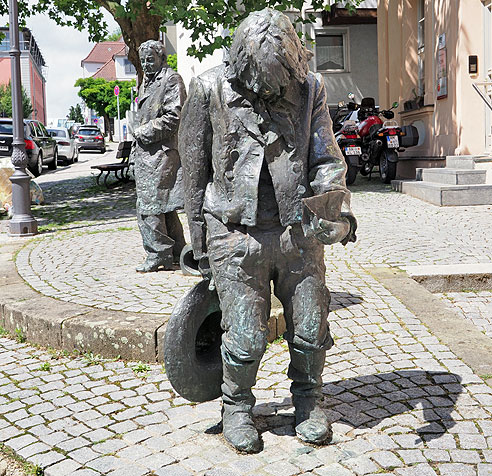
{"points": [[404, 383]]}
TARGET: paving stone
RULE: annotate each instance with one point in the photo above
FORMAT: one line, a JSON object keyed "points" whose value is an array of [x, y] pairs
{"points": [[386, 459], [418, 470], [334, 469], [484, 469], [82, 455], [64, 468], [412, 456], [452, 469]]}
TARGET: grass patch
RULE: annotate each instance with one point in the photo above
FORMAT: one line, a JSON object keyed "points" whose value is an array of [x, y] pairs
{"points": [[15, 460], [91, 359], [141, 368], [19, 336], [45, 367]]}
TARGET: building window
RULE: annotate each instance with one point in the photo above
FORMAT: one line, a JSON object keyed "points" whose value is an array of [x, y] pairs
{"points": [[421, 46], [331, 50], [129, 68]]}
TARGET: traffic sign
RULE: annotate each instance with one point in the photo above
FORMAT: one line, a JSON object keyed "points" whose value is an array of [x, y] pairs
{"points": [[116, 90]]}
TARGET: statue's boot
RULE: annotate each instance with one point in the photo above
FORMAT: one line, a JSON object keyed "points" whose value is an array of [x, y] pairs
{"points": [[305, 370], [238, 401], [149, 265]]}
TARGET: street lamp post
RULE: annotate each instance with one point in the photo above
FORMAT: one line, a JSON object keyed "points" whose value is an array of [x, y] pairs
{"points": [[22, 222]]}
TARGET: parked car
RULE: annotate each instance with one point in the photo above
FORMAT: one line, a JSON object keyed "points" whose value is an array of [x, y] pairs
{"points": [[90, 138], [41, 148], [67, 151]]}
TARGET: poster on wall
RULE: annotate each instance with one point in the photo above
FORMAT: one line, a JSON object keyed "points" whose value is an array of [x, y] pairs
{"points": [[442, 69]]}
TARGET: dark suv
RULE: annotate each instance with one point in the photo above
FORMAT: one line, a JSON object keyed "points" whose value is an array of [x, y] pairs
{"points": [[90, 138], [40, 146]]}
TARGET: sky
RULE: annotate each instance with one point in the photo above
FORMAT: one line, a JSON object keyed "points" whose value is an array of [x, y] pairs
{"points": [[63, 48]]}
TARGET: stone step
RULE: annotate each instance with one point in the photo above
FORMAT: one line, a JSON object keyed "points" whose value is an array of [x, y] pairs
{"points": [[446, 195], [453, 277], [466, 162], [454, 176]]}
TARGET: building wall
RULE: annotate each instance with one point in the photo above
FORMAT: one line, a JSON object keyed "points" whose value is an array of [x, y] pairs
{"points": [[5, 70], [362, 55], [451, 125], [90, 68], [37, 95], [32, 82], [119, 63], [188, 67]]}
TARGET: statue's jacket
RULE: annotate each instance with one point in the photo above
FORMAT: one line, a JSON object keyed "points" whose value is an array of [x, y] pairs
{"points": [[158, 173], [224, 133]]}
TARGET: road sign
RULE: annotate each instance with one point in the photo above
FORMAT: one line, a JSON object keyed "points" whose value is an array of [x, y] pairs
{"points": [[116, 90]]}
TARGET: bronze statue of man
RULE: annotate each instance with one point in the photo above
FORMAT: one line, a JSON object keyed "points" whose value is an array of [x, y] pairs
{"points": [[264, 190], [158, 173]]}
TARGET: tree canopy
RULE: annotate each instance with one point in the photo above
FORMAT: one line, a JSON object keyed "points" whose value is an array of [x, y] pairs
{"points": [[98, 94], [75, 114], [142, 20], [6, 101]]}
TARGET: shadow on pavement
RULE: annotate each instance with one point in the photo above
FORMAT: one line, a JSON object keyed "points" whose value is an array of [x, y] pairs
{"points": [[364, 402], [342, 300], [80, 199]]}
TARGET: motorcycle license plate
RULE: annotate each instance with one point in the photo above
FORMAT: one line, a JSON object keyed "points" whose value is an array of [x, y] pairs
{"points": [[353, 151], [392, 142]]}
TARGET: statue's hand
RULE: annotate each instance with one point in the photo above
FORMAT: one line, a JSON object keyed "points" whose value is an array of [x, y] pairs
{"points": [[330, 232]]}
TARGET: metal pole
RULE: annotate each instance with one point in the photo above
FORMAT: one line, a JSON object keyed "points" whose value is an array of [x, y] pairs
{"points": [[22, 222], [119, 125]]}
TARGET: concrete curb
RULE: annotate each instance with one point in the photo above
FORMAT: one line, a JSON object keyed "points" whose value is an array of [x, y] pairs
{"points": [[67, 326], [449, 278], [469, 344], [61, 325]]}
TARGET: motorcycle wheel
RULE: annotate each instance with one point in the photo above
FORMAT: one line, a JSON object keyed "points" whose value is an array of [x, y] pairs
{"points": [[387, 168], [351, 174], [365, 170]]}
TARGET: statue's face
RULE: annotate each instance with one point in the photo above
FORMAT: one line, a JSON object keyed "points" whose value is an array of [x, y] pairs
{"points": [[151, 61]]}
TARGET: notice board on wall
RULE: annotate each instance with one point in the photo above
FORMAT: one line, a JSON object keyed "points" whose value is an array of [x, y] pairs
{"points": [[442, 69]]}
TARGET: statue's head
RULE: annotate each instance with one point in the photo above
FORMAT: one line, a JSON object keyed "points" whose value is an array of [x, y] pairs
{"points": [[266, 53], [152, 57]]}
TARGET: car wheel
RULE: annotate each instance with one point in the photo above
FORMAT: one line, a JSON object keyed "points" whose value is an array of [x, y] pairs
{"points": [[54, 163], [37, 170], [103, 150]]}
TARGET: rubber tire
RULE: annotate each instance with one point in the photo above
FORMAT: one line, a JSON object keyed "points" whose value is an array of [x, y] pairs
{"points": [[38, 169], [76, 158], [363, 171], [103, 151], [187, 263], [387, 168], [54, 163], [351, 174], [195, 375]]}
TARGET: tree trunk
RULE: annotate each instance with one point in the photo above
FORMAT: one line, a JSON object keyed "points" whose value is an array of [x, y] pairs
{"points": [[107, 127], [142, 27]]}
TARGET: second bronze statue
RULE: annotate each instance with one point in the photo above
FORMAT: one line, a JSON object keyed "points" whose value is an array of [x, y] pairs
{"points": [[158, 174]]}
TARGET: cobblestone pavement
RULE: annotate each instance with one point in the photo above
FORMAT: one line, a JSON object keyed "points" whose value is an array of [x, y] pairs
{"points": [[394, 230], [401, 402], [473, 305]]}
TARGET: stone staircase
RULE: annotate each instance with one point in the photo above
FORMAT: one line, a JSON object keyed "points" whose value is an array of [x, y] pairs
{"points": [[459, 183]]}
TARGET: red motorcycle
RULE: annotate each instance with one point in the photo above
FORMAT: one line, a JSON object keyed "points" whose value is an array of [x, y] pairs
{"points": [[380, 140]]}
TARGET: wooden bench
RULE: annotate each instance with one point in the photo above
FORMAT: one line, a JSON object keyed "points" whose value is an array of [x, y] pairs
{"points": [[121, 169]]}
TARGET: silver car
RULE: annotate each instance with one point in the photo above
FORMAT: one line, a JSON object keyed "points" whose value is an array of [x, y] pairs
{"points": [[67, 149]]}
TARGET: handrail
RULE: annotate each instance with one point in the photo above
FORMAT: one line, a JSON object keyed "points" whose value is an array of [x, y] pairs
{"points": [[481, 94]]}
